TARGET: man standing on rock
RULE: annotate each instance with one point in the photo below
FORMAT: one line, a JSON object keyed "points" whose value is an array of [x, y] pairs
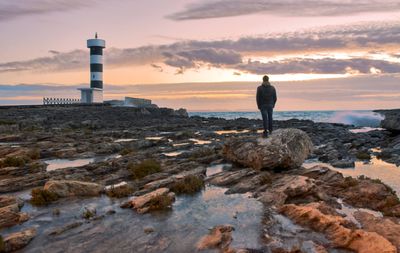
{"points": [[266, 100]]}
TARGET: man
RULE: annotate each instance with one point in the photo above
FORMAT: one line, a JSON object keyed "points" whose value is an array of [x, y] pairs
{"points": [[266, 100]]}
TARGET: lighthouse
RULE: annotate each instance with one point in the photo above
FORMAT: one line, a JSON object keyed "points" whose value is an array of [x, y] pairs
{"points": [[94, 94]]}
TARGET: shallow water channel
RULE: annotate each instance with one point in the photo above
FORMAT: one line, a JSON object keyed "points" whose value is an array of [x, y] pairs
{"points": [[177, 230]]}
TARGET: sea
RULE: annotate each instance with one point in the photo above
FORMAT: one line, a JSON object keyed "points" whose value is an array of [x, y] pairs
{"points": [[356, 118]]}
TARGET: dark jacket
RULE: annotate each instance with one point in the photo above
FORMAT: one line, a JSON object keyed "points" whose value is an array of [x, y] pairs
{"points": [[266, 96]]}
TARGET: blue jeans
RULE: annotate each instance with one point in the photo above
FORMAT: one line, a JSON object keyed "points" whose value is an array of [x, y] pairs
{"points": [[266, 114]]}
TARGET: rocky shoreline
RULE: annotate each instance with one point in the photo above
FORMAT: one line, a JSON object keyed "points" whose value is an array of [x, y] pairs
{"points": [[144, 159]]}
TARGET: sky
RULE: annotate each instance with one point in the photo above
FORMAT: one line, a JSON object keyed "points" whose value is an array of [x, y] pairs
{"points": [[206, 55]]}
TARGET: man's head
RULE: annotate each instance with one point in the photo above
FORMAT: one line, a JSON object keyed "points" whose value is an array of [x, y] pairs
{"points": [[265, 79]]}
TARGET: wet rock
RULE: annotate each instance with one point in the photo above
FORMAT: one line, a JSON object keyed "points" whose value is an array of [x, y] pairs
{"points": [[391, 121], [312, 247], [88, 213], [19, 240], [343, 164], [148, 230], [6, 200], [251, 184], [362, 192], [367, 193], [285, 148], [67, 227], [64, 188], [166, 182], [231, 177], [289, 186], [334, 228], [10, 215], [155, 200], [385, 227], [220, 237]]}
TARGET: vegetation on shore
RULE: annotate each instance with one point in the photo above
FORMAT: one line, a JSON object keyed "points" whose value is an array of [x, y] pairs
{"points": [[188, 185], [145, 168], [42, 197], [160, 203], [2, 244], [120, 191]]}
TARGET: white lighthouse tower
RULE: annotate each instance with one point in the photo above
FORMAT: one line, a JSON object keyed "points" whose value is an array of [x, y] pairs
{"points": [[94, 94]]}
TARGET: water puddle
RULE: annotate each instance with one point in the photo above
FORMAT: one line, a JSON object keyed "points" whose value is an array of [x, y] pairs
{"points": [[11, 144], [125, 140], [155, 138], [174, 154], [180, 144], [56, 164], [365, 130], [215, 169], [388, 173], [200, 142], [177, 230], [222, 132]]}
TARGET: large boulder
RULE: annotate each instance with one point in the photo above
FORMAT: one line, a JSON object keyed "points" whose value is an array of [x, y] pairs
{"points": [[285, 148], [391, 121], [64, 188]]}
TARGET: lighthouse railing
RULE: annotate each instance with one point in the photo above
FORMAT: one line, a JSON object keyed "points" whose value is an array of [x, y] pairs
{"points": [[60, 101]]}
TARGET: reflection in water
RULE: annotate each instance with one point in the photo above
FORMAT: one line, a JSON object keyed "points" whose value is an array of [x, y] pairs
{"points": [[125, 140], [155, 138], [180, 144], [177, 230], [56, 164], [215, 169], [376, 169], [365, 130], [221, 132], [173, 154], [199, 142]]}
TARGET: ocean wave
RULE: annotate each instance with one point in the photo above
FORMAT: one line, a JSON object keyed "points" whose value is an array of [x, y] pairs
{"points": [[357, 118]]}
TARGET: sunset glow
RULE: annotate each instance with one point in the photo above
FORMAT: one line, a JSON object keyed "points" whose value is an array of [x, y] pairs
{"points": [[182, 43]]}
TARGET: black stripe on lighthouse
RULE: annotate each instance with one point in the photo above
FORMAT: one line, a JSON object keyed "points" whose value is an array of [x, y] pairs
{"points": [[96, 67], [96, 51], [96, 84]]}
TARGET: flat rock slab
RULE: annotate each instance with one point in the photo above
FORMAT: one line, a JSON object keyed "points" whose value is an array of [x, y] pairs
{"points": [[142, 204], [64, 188]]}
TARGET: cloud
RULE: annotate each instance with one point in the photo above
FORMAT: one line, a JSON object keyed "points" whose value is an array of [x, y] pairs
{"points": [[231, 53], [157, 67], [229, 8], [19, 8], [320, 66], [195, 58]]}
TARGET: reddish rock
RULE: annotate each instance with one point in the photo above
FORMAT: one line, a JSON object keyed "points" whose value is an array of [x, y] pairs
{"points": [[18, 240], [333, 227], [220, 237], [383, 226]]}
